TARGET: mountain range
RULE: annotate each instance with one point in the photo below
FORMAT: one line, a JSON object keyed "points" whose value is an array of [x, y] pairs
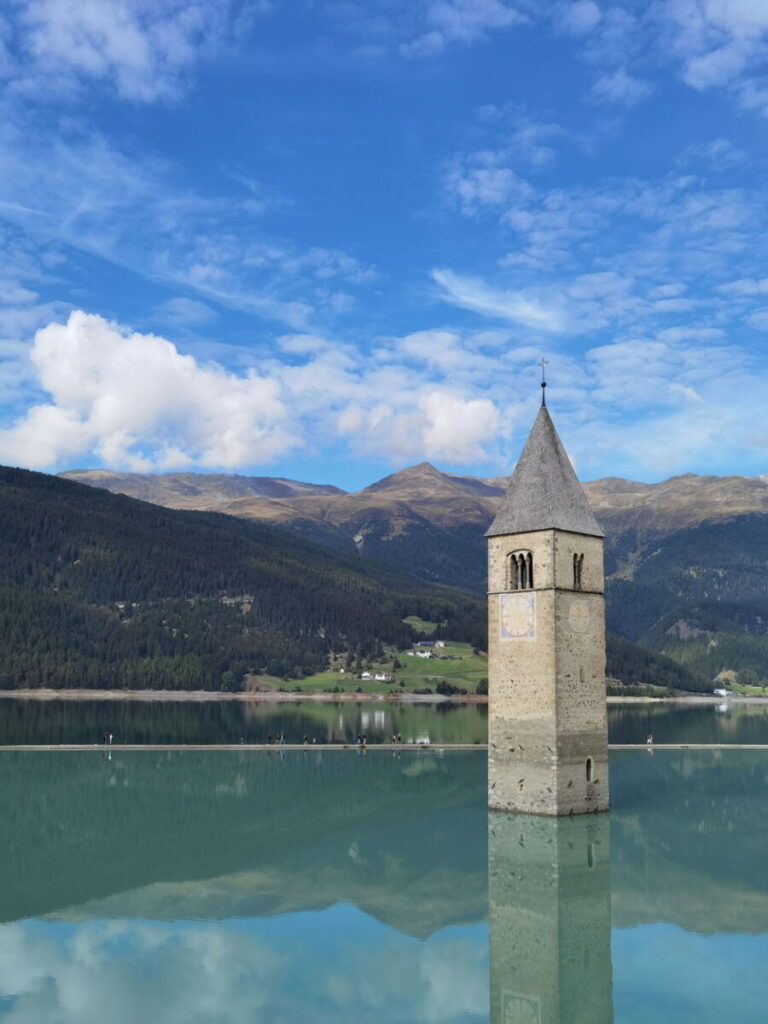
{"points": [[101, 590], [686, 558], [382, 519]]}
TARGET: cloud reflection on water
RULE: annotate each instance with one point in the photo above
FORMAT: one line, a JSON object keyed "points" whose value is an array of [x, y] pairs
{"points": [[338, 965]]}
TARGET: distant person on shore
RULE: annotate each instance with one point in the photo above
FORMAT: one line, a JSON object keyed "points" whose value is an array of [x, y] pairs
{"points": [[104, 737], [110, 739], [282, 737], [649, 739]]}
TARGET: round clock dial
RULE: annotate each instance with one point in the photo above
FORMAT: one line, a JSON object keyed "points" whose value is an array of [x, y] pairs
{"points": [[578, 615], [518, 615]]}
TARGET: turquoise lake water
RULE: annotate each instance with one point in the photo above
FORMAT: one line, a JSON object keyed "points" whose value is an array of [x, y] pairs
{"points": [[225, 887], [62, 721]]}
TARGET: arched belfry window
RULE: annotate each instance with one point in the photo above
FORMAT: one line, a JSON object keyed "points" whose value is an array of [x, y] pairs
{"points": [[578, 566], [520, 570]]}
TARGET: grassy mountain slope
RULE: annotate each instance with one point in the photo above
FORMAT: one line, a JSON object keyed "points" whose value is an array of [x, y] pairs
{"points": [[101, 590]]}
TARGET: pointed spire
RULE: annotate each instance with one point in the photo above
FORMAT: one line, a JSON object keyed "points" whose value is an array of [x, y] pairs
{"points": [[543, 364], [544, 493]]}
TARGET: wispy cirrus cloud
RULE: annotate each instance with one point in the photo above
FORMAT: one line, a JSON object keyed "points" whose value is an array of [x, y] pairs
{"points": [[140, 50], [81, 191], [629, 47], [476, 295], [618, 86], [519, 143], [710, 44], [444, 22], [720, 45], [685, 228], [426, 28], [183, 312]]}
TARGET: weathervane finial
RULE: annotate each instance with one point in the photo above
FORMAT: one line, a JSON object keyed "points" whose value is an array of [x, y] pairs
{"points": [[543, 364]]}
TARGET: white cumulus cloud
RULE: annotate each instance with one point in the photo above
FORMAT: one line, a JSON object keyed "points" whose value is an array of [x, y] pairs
{"points": [[137, 402], [134, 401]]}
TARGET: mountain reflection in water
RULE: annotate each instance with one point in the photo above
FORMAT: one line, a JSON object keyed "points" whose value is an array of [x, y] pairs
{"points": [[233, 886]]}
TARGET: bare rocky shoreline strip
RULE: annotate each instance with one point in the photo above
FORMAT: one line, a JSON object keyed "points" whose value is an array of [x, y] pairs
{"points": [[275, 748], [279, 697], [251, 697]]}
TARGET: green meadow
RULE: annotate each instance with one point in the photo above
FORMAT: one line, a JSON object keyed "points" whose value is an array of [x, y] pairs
{"points": [[455, 664]]}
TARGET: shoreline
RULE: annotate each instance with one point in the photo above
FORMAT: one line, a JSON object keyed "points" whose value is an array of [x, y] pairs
{"points": [[278, 697], [361, 748], [249, 697]]}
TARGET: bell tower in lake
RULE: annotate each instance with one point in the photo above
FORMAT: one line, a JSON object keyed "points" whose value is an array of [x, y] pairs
{"points": [[547, 724]]}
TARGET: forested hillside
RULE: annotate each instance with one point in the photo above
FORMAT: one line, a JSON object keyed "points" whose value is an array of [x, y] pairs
{"points": [[686, 558], [100, 590], [701, 596], [632, 664]]}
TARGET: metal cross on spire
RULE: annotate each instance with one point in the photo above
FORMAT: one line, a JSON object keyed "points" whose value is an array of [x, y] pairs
{"points": [[543, 364]]}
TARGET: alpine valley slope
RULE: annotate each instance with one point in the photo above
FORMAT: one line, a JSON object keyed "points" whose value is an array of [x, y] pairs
{"points": [[100, 590], [686, 558]]}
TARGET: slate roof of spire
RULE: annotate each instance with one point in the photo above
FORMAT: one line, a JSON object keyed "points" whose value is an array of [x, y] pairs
{"points": [[544, 493]]}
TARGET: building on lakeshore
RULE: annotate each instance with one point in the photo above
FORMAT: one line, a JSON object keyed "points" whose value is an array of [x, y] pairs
{"points": [[547, 723]]}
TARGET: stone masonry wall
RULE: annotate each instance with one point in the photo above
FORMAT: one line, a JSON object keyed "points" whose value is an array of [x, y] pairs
{"points": [[546, 648]]}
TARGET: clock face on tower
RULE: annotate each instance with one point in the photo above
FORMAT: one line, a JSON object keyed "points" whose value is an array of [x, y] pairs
{"points": [[521, 1009], [578, 615], [517, 616]]}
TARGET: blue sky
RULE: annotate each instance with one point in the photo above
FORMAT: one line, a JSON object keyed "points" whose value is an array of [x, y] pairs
{"points": [[327, 240]]}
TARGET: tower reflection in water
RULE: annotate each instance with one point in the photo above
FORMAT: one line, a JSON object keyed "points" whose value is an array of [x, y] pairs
{"points": [[550, 919]]}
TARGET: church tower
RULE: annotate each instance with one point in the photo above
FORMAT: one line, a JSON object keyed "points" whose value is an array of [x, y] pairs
{"points": [[547, 723]]}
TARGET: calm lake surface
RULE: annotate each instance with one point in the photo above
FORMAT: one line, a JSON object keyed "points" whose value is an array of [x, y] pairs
{"points": [[62, 721], [269, 887]]}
